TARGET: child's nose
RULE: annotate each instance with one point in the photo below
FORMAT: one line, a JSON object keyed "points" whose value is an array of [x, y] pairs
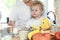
{"points": [[33, 11]]}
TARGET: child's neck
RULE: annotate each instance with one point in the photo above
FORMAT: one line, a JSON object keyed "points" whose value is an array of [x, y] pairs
{"points": [[37, 17]]}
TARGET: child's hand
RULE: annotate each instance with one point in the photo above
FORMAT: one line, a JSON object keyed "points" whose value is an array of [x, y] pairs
{"points": [[11, 23], [52, 33], [25, 29]]}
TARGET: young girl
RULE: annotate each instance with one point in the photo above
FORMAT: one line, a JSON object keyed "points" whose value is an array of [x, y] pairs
{"points": [[36, 13]]}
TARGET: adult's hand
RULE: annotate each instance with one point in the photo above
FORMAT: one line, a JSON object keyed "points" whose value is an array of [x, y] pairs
{"points": [[11, 23]]}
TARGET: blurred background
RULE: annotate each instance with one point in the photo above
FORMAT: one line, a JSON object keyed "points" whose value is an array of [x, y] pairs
{"points": [[6, 6], [49, 5]]}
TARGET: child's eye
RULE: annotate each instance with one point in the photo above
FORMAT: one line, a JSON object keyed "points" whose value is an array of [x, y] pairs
{"points": [[35, 10], [32, 10]]}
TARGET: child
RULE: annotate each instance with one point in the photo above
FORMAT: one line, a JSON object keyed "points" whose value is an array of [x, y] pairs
{"points": [[36, 12]]}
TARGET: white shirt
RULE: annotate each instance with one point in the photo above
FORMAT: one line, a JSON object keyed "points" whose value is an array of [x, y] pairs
{"points": [[34, 22], [20, 13]]}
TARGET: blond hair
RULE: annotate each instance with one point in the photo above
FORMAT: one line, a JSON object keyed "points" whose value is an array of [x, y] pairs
{"points": [[38, 3]]}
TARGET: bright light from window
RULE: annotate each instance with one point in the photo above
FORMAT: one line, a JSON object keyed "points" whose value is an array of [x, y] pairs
{"points": [[5, 6], [51, 5]]}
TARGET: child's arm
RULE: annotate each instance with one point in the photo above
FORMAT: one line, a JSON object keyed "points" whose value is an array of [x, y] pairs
{"points": [[51, 32]]}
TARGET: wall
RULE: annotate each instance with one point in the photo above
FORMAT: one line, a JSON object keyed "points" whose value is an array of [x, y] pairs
{"points": [[57, 7]]}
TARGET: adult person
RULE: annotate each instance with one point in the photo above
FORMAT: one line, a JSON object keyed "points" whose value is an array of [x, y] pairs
{"points": [[20, 14]]}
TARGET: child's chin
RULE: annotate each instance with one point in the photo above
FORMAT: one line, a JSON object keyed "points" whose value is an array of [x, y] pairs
{"points": [[34, 16]]}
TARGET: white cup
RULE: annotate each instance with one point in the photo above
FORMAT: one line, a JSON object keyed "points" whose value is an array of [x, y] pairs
{"points": [[23, 35]]}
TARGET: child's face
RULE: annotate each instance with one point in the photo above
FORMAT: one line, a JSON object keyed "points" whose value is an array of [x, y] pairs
{"points": [[36, 11]]}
